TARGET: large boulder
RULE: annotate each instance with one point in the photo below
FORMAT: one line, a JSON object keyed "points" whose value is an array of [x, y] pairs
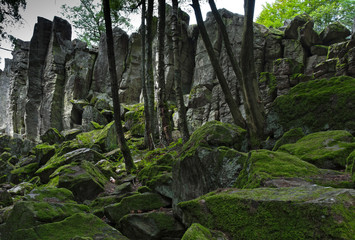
{"points": [[208, 161], [328, 149], [198, 232], [42, 206], [334, 33], [85, 180], [77, 227], [71, 157], [138, 202], [317, 105], [310, 212], [152, 225]]}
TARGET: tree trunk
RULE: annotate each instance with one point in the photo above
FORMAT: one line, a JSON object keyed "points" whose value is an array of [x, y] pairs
{"points": [[255, 108], [237, 116], [164, 123], [254, 113], [147, 130], [114, 86], [149, 69], [177, 73]]}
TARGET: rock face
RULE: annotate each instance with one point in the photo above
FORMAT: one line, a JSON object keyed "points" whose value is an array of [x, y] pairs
{"points": [[51, 79]]}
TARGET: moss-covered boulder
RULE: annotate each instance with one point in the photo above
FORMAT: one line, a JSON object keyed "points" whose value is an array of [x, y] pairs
{"points": [[214, 134], [198, 232], [204, 169], [317, 105], [290, 136], [59, 160], [152, 225], [28, 214], [24, 173], [52, 136], [276, 213], [134, 120], [138, 202], [328, 149], [84, 180], [98, 204], [265, 165], [43, 152], [45, 194], [79, 226]]}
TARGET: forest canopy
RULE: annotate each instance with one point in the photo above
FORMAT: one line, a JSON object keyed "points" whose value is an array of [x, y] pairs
{"points": [[323, 12]]}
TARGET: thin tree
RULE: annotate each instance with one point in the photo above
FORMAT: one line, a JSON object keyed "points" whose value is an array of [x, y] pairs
{"points": [[114, 88], [164, 123], [149, 70], [175, 27], [147, 130], [233, 107], [255, 108], [247, 76]]}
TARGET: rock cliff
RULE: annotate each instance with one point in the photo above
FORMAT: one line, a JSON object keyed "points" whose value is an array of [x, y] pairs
{"points": [[55, 82]]}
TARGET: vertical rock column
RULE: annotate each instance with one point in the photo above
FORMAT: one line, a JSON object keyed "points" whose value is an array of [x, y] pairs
{"points": [[37, 55], [54, 75], [18, 89], [4, 96]]}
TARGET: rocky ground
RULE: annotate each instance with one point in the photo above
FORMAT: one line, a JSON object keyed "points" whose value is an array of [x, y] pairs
{"points": [[74, 184]]}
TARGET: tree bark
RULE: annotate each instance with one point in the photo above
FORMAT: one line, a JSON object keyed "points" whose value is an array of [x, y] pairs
{"points": [[255, 108], [147, 130], [114, 86], [237, 116], [182, 122], [247, 76], [164, 123], [149, 70]]}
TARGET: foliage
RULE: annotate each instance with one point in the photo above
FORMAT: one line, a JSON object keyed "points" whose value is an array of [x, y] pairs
{"points": [[323, 12], [88, 18], [9, 13]]}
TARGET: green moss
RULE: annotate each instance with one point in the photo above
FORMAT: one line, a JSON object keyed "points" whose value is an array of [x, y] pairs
{"points": [[265, 165], [198, 232], [214, 134], [350, 164], [284, 213], [318, 105], [270, 80], [141, 202], [327, 149], [45, 194], [290, 136], [24, 173], [78, 226]]}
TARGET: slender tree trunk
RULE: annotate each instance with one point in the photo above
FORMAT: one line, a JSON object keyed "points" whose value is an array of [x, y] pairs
{"points": [[164, 123], [149, 69], [177, 73], [237, 116], [255, 108], [254, 113], [114, 86], [147, 130]]}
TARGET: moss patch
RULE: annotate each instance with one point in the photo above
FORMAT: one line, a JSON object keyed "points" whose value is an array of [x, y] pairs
{"points": [[318, 105], [198, 232], [78, 226], [290, 136], [328, 149], [137, 202], [265, 165], [283, 213]]}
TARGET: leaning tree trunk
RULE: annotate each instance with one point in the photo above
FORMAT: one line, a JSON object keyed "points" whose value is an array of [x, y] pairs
{"points": [[233, 107], [182, 122], [164, 123], [249, 97], [149, 69], [147, 130], [114, 86], [255, 108]]}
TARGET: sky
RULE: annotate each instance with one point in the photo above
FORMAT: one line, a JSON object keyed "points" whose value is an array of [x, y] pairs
{"points": [[50, 8]]}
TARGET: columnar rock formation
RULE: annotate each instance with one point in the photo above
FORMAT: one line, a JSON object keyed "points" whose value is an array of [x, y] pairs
{"points": [[55, 82]]}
